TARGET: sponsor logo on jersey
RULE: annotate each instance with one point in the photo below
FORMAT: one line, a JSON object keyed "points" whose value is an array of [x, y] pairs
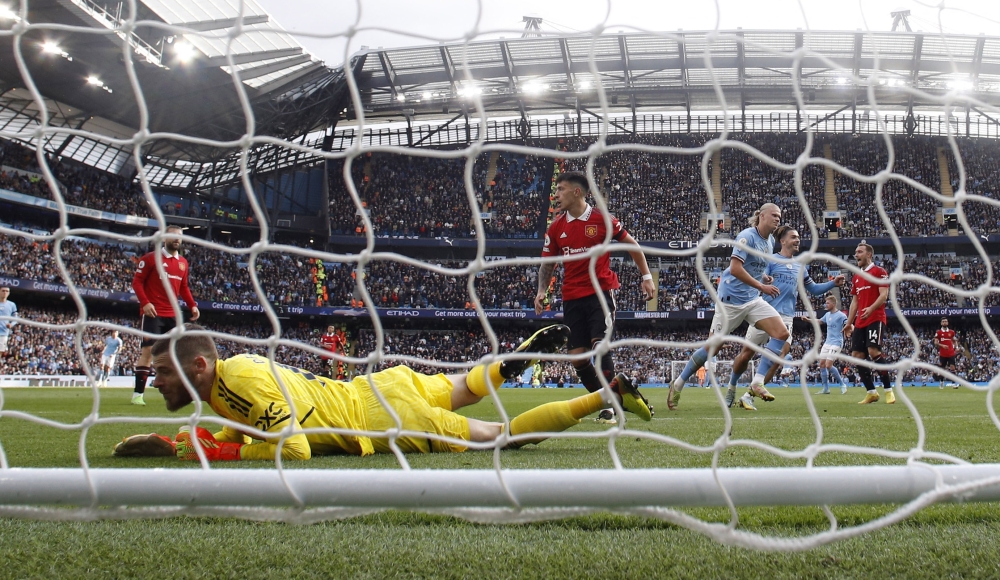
{"points": [[590, 231]]}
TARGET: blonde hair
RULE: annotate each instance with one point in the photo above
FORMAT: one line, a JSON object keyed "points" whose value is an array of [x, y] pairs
{"points": [[755, 218]]}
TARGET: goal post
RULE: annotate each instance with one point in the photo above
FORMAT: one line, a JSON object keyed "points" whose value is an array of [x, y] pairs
{"points": [[511, 489]]}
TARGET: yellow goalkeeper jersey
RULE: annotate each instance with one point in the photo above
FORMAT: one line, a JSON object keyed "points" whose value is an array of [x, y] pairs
{"points": [[246, 391]]}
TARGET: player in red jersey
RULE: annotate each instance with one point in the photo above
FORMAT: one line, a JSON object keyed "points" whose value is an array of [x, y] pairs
{"points": [[575, 231], [866, 322], [944, 340], [154, 304], [332, 342]]}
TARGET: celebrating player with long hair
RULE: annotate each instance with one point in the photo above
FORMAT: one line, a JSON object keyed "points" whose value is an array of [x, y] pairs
{"points": [[784, 274], [740, 299]]}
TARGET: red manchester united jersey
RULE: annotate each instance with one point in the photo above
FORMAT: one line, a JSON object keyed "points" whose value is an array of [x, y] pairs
{"points": [[867, 293], [946, 338], [568, 236], [149, 289], [330, 342]]}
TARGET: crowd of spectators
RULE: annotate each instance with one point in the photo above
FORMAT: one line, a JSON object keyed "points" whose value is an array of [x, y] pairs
{"points": [[656, 196], [80, 184], [912, 213], [978, 360], [982, 169], [661, 196], [292, 280], [748, 182], [516, 197], [37, 350], [404, 196], [420, 197]]}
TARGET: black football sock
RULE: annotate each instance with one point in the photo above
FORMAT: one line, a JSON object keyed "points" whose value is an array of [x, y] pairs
{"points": [[866, 377], [141, 374], [884, 375], [588, 376], [608, 367]]}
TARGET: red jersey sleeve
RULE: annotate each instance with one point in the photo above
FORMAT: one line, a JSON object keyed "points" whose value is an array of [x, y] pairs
{"points": [[142, 271], [185, 290], [551, 246], [617, 229]]}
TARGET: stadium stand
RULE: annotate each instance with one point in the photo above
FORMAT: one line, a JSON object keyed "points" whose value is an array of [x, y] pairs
{"points": [[81, 185]]}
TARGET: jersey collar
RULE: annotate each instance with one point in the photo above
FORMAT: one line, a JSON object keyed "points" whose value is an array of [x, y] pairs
{"points": [[584, 216], [167, 256], [869, 266]]}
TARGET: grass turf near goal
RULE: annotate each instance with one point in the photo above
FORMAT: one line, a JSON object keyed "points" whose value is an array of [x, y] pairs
{"points": [[956, 424], [941, 540]]}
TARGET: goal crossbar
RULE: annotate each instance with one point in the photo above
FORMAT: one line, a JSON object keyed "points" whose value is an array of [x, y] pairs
{"points": [[488, 489]]}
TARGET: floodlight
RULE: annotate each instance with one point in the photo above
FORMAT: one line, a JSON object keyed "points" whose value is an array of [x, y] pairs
{"points": [[7, 14], [50, 47], [427, 95], [184, 51], [92, 80], [533, 88], [584, 85], [401, 98]]}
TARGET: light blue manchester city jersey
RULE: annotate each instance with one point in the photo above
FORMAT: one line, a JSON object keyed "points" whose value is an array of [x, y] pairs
{"points": [[731, 289], [7, 308], [786, 273], [835, 322]]}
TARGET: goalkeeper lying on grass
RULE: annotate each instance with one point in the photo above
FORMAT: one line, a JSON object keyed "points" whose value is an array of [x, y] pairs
{"points": [[244, 389]]}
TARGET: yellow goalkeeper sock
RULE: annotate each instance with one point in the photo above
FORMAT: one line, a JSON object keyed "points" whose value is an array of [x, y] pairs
{"points": [[580, 407], [550, 417], [476, 381]]}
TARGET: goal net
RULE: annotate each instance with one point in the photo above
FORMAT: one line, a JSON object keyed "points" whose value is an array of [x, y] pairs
{"points": [[682, 182]]}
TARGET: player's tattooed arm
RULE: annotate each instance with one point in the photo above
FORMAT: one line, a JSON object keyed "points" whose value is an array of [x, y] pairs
{"points": [[544, 276]]}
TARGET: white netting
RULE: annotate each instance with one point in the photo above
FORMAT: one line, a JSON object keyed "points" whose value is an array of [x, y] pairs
{"points": [[722, 369], [509, 498]]}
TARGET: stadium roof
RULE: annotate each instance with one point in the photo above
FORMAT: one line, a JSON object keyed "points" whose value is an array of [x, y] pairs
{"points": [[754, 68], [296, 97], [179, 50]]}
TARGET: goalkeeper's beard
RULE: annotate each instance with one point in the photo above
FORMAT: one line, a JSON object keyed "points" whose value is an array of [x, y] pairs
{"points": [[175, 397]]}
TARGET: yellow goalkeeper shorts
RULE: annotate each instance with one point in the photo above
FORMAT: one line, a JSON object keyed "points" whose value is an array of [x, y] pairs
{"points": [[423, 403]]}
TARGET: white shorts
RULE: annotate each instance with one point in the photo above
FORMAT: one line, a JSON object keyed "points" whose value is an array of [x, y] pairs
{"points": [[728, 317], [828, 350], [108, 360], [760, 338], [3, 342]]}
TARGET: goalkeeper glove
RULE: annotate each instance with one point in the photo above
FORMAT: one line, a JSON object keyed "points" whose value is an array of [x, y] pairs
{"points": [[145, 445], [214, 449]]}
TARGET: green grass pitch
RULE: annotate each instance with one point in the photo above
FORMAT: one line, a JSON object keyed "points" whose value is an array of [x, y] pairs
{"points": [[948, 540]]}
